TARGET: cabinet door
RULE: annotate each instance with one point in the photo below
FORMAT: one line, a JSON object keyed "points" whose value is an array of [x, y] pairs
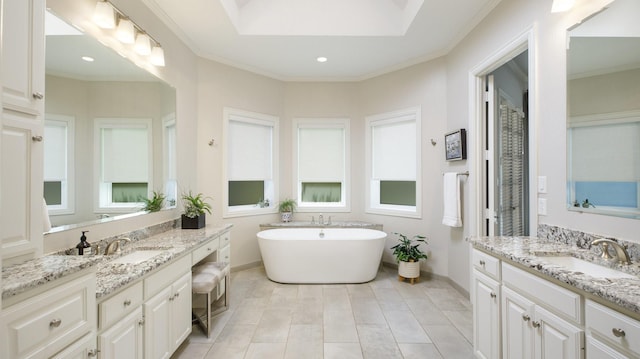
{"points": [[23, 56], [124, 339], [486, 317], [555, 338], [518, 334], [82, 349], [157, 326], [21, 187], [181, 310], [600, 350]]}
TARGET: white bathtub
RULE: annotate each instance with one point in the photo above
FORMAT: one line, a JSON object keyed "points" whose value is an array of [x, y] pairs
{"points": [[341, 255]]}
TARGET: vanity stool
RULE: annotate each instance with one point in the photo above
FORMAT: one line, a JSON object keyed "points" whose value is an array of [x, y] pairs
{"points": [[204, 280]]}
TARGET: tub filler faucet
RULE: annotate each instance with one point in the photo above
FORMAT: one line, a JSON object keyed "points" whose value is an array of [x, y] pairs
{"points": [[320, 219]]}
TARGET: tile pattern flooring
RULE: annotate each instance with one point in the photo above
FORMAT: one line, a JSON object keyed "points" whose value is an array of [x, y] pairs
{"points": [[383, 319]]}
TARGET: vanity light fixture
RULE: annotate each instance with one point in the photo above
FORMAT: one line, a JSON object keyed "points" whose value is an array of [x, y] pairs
{"points": [[104, 16], [125, 32], [321, 59], [143, 44], [562, 5], [88, 58]]}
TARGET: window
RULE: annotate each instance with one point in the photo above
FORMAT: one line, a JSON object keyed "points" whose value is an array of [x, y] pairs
{"points": [[321, 163], [169, 160], [393, 163], [58, 164], [251, 166], [124, 163]]}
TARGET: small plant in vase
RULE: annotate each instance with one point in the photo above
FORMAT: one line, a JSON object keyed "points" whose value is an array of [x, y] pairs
{"points": [[194, 210], [286, 208], [408, 255], [155, 203]]}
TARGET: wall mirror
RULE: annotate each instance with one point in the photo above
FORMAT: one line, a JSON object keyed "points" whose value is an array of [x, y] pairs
{"points": [[603, 109], [109, 131]]}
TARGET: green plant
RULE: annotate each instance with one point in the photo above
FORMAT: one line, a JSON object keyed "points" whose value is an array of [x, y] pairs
{"points": [[155, 203], [287, 205], [409, 249], [195, 205]]}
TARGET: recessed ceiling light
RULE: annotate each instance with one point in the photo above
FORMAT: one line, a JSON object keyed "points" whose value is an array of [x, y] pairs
{"points": [[321, 59], [88, 58]]}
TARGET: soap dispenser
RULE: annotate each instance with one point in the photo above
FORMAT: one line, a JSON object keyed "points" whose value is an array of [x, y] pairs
{"points": [[84, 248]]}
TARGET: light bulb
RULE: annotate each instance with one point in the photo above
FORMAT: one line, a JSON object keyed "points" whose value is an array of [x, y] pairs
{"points": [[143, 44], [125, 32], [103, 15], [157, 56]]}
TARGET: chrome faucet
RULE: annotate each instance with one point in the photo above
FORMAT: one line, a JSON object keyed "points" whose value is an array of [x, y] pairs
{"points": [[114, 246], [320, 219], [621, 253]]}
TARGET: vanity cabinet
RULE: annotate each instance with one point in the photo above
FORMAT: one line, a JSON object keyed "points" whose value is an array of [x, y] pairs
{"points": [[167, 312], [124, 340], [21, 151], [486, 304], [51, 323], [611, 334]]}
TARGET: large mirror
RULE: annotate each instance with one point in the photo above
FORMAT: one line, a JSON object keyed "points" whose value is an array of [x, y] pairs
{"points": [[603, 127], [109, 131]]}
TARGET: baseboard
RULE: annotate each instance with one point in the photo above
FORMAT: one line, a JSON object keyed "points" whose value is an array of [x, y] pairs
{"points": [[246, 266]]}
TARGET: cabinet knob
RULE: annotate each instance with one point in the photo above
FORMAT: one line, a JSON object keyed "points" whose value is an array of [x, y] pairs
{"points": [[93, 353], [141, 322], [54, 323], [526, 318], [482, 263], [209, 249], [536, 324], [493, 295], [38, 95], [618, 332], [36, 138], [127, 302]]}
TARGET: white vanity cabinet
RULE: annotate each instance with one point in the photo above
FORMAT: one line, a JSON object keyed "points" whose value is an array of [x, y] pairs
{"points": [[552, 313], [610, 334], [22, 128], [167, 312], [486, 305], [51, 323], [120, 324]]}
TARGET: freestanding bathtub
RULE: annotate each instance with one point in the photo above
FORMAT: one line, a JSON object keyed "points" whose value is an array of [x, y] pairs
{"points": [[321, 255]]}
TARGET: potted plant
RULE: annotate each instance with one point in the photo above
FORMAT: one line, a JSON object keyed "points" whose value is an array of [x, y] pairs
{"points": [[286, 208], [194, 210], [408, 255], [155, 203]]}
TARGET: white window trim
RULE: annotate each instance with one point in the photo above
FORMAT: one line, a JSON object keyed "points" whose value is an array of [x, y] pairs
{"points": [[388, 118], [101, 190], [345, 204], [261, 119], [68, 190]]}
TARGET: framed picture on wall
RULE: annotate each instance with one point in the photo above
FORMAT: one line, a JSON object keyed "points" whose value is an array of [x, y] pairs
{"points": [[455, 144]]}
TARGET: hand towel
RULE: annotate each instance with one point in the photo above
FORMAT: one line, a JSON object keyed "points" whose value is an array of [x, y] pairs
{"points": [[451, 192], [46, 221]]}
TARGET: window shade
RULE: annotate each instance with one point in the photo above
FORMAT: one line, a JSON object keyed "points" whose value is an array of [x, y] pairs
{"points": [[250, 156], [321, 154], [394, 150], [125, 154], [55, 152]]}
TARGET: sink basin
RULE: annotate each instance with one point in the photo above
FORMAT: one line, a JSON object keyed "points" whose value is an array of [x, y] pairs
{"points": [[137, 257], [579, 265]]}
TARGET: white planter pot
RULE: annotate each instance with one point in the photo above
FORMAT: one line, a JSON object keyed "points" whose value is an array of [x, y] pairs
{"points": [[286, 216], [409, 269]]}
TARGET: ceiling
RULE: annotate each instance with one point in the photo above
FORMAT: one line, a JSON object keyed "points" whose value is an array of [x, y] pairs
{"points": [[283, 38]]}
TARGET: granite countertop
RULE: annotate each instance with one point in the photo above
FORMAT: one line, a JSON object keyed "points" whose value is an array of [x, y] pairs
{"points": [[531, 252], [111, 276]]}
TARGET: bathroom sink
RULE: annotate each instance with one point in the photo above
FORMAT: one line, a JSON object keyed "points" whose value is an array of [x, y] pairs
{"points": [[579, 265], [137, 257]]}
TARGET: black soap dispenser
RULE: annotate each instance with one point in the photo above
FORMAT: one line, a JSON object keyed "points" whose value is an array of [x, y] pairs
{"points": [[84, 248]]}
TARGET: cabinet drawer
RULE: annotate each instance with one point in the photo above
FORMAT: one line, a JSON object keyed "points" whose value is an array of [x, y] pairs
{"points": [[224, 254], [116, 307], [486, 264], [555, 298], [225, 239], [165, 276], [603, 322], [43, 325], [205, 250]]}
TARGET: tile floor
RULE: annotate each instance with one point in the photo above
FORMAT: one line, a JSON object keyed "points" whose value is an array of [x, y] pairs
{"points": [[383, 319]]}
